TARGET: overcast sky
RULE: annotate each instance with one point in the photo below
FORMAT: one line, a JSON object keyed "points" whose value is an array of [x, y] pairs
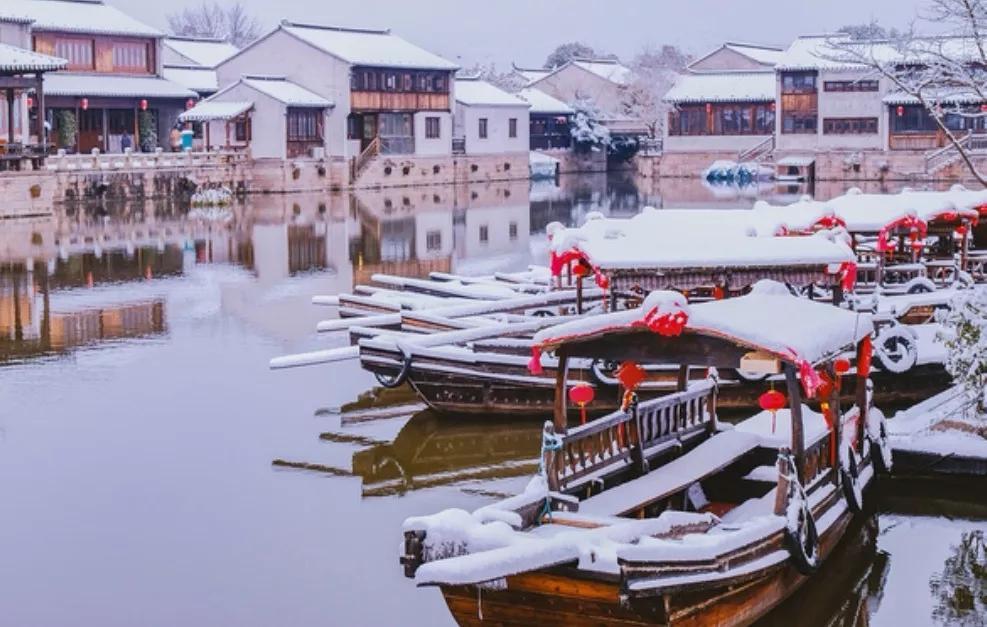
{"points": [[525, 31]]}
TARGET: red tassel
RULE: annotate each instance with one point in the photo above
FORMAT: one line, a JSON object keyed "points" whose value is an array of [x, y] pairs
{"points": [[534, 365]]}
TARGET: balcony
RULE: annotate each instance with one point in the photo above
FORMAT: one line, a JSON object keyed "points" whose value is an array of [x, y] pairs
{"points": [[397, 101]]}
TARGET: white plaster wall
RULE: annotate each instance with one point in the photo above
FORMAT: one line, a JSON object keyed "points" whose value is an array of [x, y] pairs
{"points": [[704, 143], [726, 59], [498, 221], [573, 83], [497, 141], [281, 54], [425, 147], [865, 104], [15, 34], [269, 123]]}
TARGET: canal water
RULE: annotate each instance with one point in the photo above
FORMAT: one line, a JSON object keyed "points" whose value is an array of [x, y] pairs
{"points": [[154, 472]]}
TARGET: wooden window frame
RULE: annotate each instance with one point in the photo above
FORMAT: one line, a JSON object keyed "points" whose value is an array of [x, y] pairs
{"points": [[869, 85], [433, 127], [850, 126], [483, 128], [75, 40], [512, 128]]}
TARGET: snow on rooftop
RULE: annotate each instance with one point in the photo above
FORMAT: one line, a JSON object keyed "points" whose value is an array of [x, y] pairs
{"points": [[769, 55], [531, 75], [88, 16], [723, 87], [378, 48], [543, 103], [205, 52], [953, 95], [14, 59], [611, 70], [215, 110], [872, 212], [58, 84], [285, 91], [473, 91], [769, 318], [198, 79]]}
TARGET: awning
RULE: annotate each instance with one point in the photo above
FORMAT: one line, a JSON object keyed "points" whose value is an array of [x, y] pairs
{"points": [[14, 59], [211, 110], [110, 86]]}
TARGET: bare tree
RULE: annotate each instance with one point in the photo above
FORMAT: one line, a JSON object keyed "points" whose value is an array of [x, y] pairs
{"points": [[945, 74], [229, 22], [566, 52], [654, 74]]}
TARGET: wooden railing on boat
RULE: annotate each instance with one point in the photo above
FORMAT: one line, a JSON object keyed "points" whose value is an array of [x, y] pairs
{"points": [[628, 436]]}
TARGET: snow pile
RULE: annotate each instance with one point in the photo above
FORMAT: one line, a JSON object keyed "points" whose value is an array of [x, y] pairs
{"points": [[212, 197], [731, 172], [703, 546], [211, 214]]}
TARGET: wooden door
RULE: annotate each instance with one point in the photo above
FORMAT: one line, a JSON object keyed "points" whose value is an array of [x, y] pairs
{"points": [[90, 130], [369, 130]]}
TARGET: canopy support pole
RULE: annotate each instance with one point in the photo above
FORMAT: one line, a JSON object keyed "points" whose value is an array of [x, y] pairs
{"points": [[861, 394], [561, 375], [798, 431], [837, 414]]}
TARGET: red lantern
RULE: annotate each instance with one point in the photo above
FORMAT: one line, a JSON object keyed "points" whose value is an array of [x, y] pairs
{"points": [[961, 230], [580, 269], [630, 376], [864, 354], [189, 103], [900, 111], [30, 102], [772, 401], [143, 104], [718, 293], [841, 365], [582, 394], [84, 104], [983, 108], [709, 108]]}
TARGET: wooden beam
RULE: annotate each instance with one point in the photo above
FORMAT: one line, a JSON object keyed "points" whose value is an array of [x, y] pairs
{"points": [[17, 82], [39, 94], [561, 411]]}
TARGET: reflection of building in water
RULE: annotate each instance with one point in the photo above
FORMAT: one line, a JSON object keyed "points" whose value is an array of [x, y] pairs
{"points": [[568, 202], [29, 325]]}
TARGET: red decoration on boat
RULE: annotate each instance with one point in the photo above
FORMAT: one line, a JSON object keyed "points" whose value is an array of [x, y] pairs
{"points": [[864, 355], [848, 276], [718, 293], [772, 401], [630, 375], [961, 230], [534, 364], [582, 394], [580, 269], [669, 324], [811, 381], [841, 365]]}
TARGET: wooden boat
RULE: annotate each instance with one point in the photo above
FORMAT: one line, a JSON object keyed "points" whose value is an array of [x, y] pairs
{"points": [[658, 514]]}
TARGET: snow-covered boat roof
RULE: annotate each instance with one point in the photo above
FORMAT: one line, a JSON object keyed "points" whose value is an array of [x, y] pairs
{"points": [[198, 79], [215, 110], [367, 47], [543, 103], [282, 90], [202, 51], [476, 92], [768, 319], [72, 16], [869, 213], [14, 59], [58, 84], [695, 238], [723, 87]]}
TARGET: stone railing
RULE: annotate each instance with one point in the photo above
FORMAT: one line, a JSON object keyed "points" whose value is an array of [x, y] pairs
{"points": [[129, 160]]}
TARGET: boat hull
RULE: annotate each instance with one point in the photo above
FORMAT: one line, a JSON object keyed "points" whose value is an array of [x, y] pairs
{"points": [[564, 596]]}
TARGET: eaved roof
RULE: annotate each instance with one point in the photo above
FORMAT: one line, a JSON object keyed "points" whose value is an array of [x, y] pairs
{"points": [[76, 16], [723, 87], [765, 55], [202, 51], [367, 47], [818, 52], [198, 79], [770, 319], [59, 84], [282, 90], [609, 69], [476, 92], [543, 103], [530, 74], [215, 110], [947, 95], [14, 59]]}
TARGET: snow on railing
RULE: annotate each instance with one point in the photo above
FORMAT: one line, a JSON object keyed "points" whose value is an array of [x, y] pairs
{"points": [[129, 160], [757, 152], [941, 158]]}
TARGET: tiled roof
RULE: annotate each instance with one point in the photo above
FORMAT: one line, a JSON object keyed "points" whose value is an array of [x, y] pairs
{"points": [[59, 84], [80, 16], [723, 87], [543, 103], [215, 110], [198, 79], [368, 47], [472, 91], [14, 59], [205, 52], [285, 91]]}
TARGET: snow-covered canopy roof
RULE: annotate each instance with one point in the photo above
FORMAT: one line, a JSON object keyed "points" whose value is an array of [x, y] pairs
{"points": [[543, 103], [723, 87], [76, 16], [14, 59], [869, 213], [215, 110], [58, 84], [198, 79], [670, 239], [476, 92], [768, 319], [282, 90], [378, 48], [204, 52]]}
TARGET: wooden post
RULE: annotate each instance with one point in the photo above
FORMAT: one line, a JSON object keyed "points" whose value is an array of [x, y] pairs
{"points": [[579, 294], [861, 394], [10, 115], [836, 412], [680, 386], [39, 93], [781, 494], [838, 293], [798, 431], [963, 246], [561, 411], [207, 124]]}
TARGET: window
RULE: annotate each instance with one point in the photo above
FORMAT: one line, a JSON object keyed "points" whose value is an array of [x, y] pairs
{"points": [[727, 119], [432, 128], [243, 129], [868, 85], [304, 125], [798, 82], [484, 234], [798, 123], [78, 52], [912, 119], [130, 56], [512, 231], [483, 128], [512, 128], [433, 241], [850, 126], [354, 127]]}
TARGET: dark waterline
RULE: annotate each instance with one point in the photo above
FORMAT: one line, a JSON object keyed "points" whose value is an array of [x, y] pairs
{"points": [[139, 422]]}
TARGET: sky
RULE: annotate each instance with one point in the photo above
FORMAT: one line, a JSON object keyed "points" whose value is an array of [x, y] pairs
{"points": [[525, 31]]}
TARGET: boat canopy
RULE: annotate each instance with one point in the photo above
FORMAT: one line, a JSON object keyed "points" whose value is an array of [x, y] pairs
{"points": [[872, 213], [769, 320]]}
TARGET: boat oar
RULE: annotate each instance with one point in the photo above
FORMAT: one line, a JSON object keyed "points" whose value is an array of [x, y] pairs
{"points": [[315, 357]]}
